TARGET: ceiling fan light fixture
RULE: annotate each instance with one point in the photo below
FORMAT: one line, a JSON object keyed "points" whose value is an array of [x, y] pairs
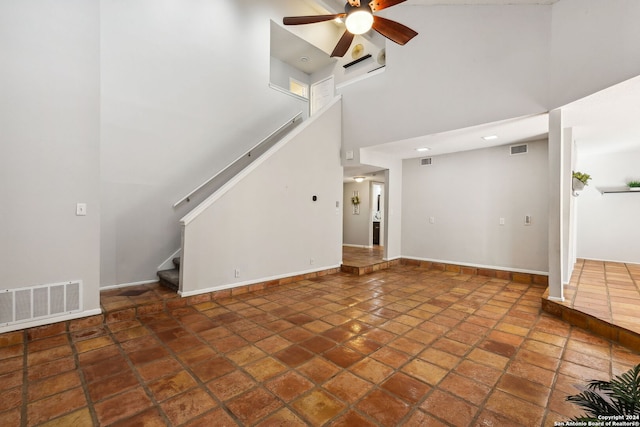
{"points": [[359, 21]]}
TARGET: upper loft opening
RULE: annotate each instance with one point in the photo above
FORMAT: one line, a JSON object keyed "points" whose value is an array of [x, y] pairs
{"points": [[302, 56]]}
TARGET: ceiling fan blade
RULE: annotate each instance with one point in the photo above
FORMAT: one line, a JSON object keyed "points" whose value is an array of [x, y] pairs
{"points": [[300, 20], [343, 44], [377, 5], [393, 30]]}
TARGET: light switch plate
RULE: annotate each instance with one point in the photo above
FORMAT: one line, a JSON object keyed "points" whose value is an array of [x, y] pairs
{"points": [[81, 209]]}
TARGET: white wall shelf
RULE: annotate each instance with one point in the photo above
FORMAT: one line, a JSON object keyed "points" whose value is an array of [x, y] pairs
{"points": [[606, 190]]}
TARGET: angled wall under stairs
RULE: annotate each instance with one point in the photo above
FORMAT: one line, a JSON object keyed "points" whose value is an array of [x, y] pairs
{"points": [[279, 217]]}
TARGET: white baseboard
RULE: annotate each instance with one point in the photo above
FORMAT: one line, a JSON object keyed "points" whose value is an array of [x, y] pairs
{"points": [[491, 267], [126, 285], [49, 320], [251, 282]]}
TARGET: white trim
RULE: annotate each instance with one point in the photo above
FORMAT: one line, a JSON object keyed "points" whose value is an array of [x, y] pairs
{"points": [[49, 320], [392, 258], [491, 267], [252, 282], [250, 168], [126, 285], [371, 73], [286, 92], [556, 299], [358, 246], [167, 264]]}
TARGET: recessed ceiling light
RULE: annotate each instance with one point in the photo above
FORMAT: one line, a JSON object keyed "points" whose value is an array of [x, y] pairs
{"points": [[423, 149], [304, 59], [490, 137]]}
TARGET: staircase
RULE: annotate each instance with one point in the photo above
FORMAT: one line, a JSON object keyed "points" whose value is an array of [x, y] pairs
{"points": [[171, 278]]}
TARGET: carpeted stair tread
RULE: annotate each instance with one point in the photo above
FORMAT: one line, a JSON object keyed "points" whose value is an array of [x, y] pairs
{"points": [[170, 278]]}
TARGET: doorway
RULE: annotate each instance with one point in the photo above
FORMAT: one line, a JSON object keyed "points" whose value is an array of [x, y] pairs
{"points": [[377, 214]]}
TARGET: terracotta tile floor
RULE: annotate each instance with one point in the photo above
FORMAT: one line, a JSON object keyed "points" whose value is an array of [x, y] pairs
{"points": [[402, 346], [360, 257], [607, 290]]}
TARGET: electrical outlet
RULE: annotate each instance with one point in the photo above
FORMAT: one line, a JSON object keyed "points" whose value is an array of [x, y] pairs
{"points": [[527, 220], [432, 220], [236, 273], [312, 261], [81, 209], [501, 222]]}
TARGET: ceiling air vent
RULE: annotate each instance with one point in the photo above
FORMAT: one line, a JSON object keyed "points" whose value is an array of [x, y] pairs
{"points": [[518, 149], [425, 161]]}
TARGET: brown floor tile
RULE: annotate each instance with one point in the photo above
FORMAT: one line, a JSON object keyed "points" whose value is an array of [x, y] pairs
{"points": [[172, 385], [46, 370], [81, 417], [371, 370], [384, 408], [110, 386], [424, 371], [294, 356], [253, 405], [217, 417], [348, 387], [265, 368], [468, 389], [406, 387], [524, 389], [318, 370], [449, 408], [187, 406], [388, 348], [53, 385], [289, 386], [318, 407], [514, 409], [212, 368], [122, 406], [231, 385], [55, 405]]}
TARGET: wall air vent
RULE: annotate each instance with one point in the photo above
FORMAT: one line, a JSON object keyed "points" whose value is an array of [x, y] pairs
{"points": [[40, 302], [426, 161], [519, 149]]}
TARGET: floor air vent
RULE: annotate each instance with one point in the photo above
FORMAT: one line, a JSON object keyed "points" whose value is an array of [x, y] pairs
{"points": [[40, 302], [425, 161], [519, 149]]}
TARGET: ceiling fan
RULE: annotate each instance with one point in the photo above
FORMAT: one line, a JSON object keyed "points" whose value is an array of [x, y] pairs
{"points": [[359, 18]]}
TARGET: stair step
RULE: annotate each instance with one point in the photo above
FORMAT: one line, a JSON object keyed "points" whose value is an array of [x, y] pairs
{"points": [[176, 262], [170, 278]]}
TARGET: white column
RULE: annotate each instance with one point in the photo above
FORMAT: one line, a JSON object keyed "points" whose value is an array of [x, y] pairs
{"points": [[568, 226], [556, 167]]}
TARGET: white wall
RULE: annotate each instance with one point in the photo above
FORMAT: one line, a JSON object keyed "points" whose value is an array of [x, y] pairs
{"points": [[355, 228], [267, 224], [468, 65], [184, 92], [608, 223], [594, 45], [466, 194], [49, 121]]}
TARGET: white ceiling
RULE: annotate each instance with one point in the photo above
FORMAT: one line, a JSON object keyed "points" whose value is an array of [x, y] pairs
{"points": [[340, 3], [606, 121], [478, 2], [603, 122]]}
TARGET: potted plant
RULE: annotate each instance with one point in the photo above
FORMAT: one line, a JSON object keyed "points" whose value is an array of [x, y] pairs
{"points": [[580, 180], [634, 185], [619, 397]]}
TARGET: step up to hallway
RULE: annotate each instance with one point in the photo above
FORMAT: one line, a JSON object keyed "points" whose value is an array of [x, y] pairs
{"points": [[171, 278]]}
